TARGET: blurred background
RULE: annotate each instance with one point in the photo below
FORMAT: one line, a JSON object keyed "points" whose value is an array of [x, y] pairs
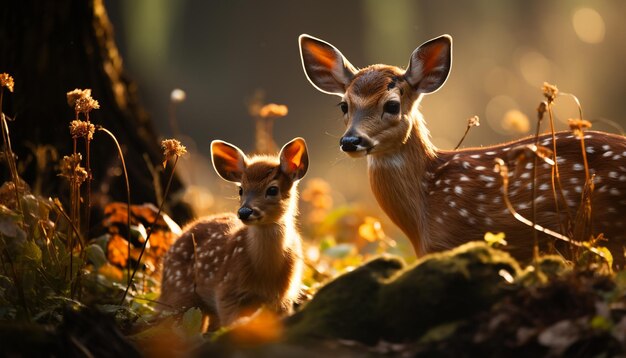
{"points": [[223, 54]]}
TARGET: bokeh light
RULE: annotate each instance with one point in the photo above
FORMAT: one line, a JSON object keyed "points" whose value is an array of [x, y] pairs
{"points": [[589, 25]]}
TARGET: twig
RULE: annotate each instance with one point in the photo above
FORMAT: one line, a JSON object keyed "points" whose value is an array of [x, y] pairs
{"points": [[119, 151]]}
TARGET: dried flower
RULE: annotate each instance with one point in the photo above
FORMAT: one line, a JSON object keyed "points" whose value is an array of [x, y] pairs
{"points": [[172, 148], [71, 169], [6, 81], [577, 126], [178, 95], [272, 110], [549, 91], [473, 121], [82, 129], [81, 101]]}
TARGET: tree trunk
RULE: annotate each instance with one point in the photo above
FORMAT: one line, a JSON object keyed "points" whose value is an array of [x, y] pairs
{"points": [[50, 48]]}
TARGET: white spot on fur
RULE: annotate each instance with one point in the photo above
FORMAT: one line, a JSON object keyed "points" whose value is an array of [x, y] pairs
{"points": [[544, 186], [439, 219], [578, 189], [614, 191], [452, 204], [490, 153], [590, 150], [463, 213], [458, 190], [606, 147], [613, 175], [607, 154], [486, 178], [481, 197], [578, 167], [525, 175], [480, 167], [475, 156]]}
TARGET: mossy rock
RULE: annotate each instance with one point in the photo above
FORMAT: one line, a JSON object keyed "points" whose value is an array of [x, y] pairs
{"points": [[384, 300], [444, 287], [347, 307]]}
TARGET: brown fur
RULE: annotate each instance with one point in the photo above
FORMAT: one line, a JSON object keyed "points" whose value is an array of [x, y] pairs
{"points": [[236, 268]]}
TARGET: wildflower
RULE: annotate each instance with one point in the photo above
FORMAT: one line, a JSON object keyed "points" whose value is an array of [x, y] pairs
{"points": [[71, 169], [549, 91], [473, 121], [178, 95], [6, 81], [272, 110], [172, 148], [578, 125], [81, 101], [82, 129]]}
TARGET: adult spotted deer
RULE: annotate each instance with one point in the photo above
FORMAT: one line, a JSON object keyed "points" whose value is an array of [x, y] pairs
{"points": [[442, 198], [230, 265]]}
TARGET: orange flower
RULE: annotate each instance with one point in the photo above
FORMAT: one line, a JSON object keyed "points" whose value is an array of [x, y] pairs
{"points": [[6, 81], [550, 91], [272, 110]]}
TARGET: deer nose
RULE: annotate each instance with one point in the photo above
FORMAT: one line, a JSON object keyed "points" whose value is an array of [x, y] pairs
{"points": [[349, 143], [244, 212]]}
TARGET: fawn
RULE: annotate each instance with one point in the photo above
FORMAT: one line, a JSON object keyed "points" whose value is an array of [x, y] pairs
{"points": [[442, 198], [230, 265]]}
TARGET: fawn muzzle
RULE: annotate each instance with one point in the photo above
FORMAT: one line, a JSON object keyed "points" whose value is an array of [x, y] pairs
{"points": [[350, 143], [244, 213]]}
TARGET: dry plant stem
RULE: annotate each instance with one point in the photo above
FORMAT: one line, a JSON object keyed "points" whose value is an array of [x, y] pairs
{"points": [[8, 153], [156, 218], [119, 152], [582, 135], [69, 220], [463, 138], [503, 169], [611, 123], [534, 195], [89, 179], [556, 178]]}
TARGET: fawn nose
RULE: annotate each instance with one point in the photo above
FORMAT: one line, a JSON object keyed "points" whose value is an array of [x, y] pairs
{"points": [[349, 143], [244, 212]]}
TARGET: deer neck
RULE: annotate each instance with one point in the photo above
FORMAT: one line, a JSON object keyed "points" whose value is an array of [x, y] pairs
{"points": [[269, 244], [399, 181]]}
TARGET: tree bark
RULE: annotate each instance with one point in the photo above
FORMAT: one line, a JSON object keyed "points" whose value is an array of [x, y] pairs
{"points": [[50, 48]]}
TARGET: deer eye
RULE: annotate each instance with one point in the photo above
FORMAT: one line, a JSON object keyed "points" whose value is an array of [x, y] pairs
{"points": [[344, 107], [392, 107], [240, 191], [272, 191]]}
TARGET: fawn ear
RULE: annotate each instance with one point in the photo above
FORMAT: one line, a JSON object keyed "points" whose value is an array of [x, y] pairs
{"points": [[325, 66], [430, 64], [294, 159], [229, 161]]}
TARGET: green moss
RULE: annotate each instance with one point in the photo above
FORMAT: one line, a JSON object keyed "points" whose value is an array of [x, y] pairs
{"points": [[381, 300], [347, 307], [444, 287]]}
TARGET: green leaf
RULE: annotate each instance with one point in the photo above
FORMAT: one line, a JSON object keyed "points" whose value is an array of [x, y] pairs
{"points": [[96, 255], [32, 251], [192, 322]]}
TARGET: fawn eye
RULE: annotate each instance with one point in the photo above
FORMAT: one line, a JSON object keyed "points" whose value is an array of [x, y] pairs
{"points": [[392, 107], [272, 191], [240, 191], [344, 107]]}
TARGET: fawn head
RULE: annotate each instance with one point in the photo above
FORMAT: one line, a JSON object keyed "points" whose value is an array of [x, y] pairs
{"points": [[377, 101], [266, 184]]}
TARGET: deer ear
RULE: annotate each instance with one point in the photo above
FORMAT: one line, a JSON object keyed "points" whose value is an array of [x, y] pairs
{"points": [[325, 66], [430, 64], [294, 159], [229, 161]]}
